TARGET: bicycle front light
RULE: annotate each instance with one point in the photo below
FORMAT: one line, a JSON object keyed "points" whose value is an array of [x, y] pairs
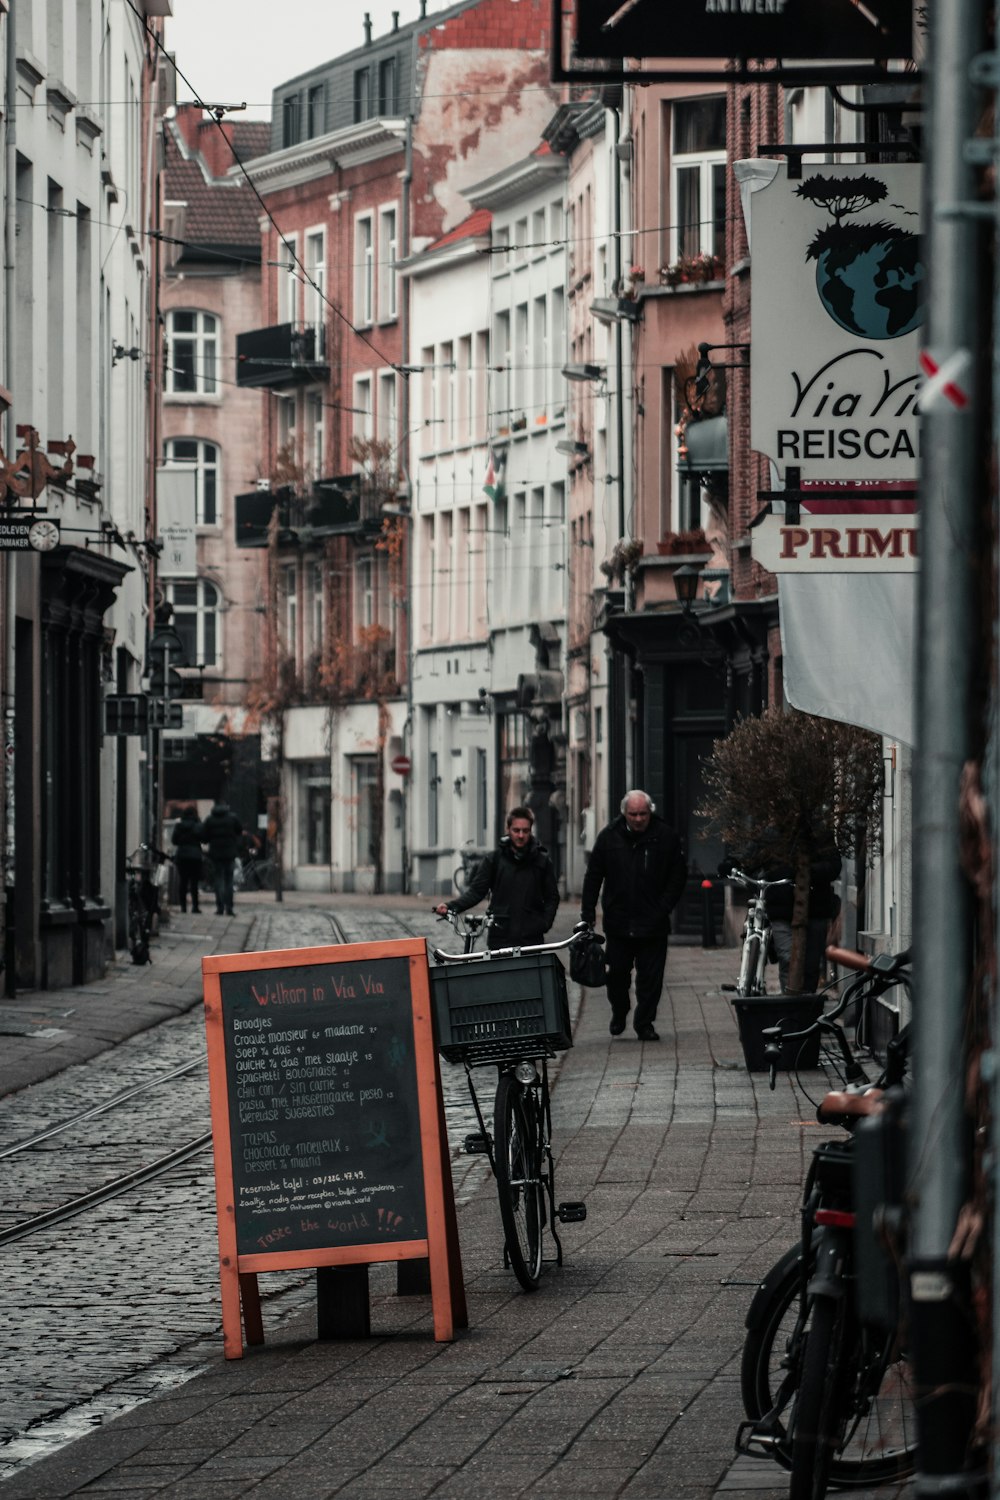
{"points": [[526, 1073]]}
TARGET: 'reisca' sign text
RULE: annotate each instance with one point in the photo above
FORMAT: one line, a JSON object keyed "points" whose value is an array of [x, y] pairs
{"points": [[838, 282]]}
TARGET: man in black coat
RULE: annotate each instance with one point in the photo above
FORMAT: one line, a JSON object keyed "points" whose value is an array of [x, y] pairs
{"points": [[521, 883], [638, 861], [221, 832]]}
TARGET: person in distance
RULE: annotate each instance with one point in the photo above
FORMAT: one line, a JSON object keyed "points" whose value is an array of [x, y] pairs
{"points": [[186, 839], [638, 868], [521, 883], [221, 832]]}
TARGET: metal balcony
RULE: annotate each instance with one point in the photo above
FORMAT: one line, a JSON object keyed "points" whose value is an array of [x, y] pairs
{"points": [[341, 506], [284, 355]]}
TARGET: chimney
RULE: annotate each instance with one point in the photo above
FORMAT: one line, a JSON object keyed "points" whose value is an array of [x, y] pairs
{"points": [[423, 10], [368, 29], [395, 20]]}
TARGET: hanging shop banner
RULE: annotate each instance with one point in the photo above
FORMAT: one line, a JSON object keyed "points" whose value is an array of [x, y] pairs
{"points": [[176, 499], [848, 648], [838, 281], [860, 543]]}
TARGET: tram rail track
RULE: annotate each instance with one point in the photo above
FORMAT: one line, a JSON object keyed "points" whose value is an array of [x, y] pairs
{"points": [[125, 1182]]}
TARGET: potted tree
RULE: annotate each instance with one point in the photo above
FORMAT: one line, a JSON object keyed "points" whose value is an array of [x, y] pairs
{"points": [[786, 786]]}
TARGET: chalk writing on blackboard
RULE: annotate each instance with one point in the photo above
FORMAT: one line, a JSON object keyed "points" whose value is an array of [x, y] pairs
{"points": [[323, 1108]]}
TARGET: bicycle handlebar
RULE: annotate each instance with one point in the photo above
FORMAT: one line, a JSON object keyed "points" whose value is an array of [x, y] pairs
{"points": [[761, 886], [515, 952]]}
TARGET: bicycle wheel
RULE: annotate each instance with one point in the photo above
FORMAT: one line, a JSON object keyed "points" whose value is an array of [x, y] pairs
{"points": [[748, 965], [518, 1161], [138, 941], [460, 879], [879, 1440], [819, 1404]]}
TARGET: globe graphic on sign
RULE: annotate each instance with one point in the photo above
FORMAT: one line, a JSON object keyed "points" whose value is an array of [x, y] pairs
{"points": [[870, 279]]}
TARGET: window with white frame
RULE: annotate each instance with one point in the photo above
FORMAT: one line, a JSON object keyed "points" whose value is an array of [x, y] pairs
{"points": [[557, 345], [315, 293], [362, 414], [521, 359], [465, 392], [192, 353], [388, 255], [364, 777], [287, 434], [539, 355], [449, 391], [538, 232], [501, 364], [289, 581], [364, 592], [313, 778], [387, 407], [315, 111], [195, 619], [364, 270], [387, 86], [316, 432], [204, 459], [287, 279], [698, 177], [317, 608]]}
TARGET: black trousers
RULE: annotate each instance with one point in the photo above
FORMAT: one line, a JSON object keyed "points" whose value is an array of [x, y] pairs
{"points": [[648, 956], [188, 876]]}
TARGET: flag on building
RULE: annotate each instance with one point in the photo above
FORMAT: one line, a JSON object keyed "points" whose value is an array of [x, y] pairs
{"points": [[496, 473]]}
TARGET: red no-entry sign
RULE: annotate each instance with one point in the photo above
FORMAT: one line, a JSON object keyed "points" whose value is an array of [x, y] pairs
{"points": [[401, 765]]}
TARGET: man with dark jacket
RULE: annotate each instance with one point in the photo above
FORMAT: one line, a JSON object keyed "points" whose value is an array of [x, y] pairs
{"points": [[638, 861], [521, 883], [187, 857], [221, 832]]}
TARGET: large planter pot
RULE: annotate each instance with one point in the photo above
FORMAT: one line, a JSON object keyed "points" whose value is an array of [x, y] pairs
{"points": [[754, 1013]]}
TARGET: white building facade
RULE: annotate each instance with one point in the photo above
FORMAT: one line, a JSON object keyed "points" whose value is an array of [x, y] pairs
{"points": [[79, 360], [488, 332]]}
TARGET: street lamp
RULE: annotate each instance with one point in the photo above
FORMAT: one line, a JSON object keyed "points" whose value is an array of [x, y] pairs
{"points": [[584, 372], [686, 581]]}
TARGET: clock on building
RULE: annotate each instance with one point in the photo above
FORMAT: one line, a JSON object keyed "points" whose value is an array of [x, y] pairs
{"points": [[43, 535]]}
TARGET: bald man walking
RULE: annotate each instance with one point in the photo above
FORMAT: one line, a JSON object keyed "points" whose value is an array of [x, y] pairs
{"points": [[638, 868]]}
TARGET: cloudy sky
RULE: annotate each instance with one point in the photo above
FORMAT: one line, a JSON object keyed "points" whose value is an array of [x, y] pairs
{"points": [[235, 50]]}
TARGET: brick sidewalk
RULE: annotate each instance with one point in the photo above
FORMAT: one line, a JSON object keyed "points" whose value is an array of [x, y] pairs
{"points": [[619, 1377]]}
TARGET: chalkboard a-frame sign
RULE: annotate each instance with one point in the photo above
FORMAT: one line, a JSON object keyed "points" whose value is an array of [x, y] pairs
{"points": [[327, 1122]]}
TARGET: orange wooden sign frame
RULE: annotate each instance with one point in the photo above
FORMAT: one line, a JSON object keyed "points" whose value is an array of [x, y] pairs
{"points": [[238, 1273]]}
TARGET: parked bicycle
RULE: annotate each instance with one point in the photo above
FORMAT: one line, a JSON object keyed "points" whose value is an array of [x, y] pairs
{"points": [[146, 872], [756, 939], [507, 1008], [251, 872], [825, 1371], [471, 860], [255, 872]]}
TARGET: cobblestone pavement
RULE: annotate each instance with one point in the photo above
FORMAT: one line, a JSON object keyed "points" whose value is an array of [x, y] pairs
{"points": [[619, 1377]]}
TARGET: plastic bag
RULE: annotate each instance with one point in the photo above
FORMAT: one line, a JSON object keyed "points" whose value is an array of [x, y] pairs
{"points": [[587, 964]]}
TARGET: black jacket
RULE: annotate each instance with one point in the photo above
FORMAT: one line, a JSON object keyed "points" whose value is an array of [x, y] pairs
{"points": [[642, 876], [524, 896], [221, 832], [187, 839]]}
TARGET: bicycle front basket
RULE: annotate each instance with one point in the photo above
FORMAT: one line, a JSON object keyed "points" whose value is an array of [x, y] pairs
{"points": [[501, 1007]]}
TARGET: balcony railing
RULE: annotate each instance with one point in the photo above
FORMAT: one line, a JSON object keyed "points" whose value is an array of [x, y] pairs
{"points": [[280, 356], [342, 506]]}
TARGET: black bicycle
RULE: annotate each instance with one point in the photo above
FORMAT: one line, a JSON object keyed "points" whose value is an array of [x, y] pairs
{"points": [[146, 871], [506, 1008], [825, 1372]]}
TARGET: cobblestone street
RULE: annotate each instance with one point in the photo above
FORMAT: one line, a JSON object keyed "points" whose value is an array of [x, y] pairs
{"points": [[619, 1377]]}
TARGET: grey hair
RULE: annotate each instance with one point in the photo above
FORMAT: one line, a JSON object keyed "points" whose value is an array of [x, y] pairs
{"points": [[638, 792]]}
